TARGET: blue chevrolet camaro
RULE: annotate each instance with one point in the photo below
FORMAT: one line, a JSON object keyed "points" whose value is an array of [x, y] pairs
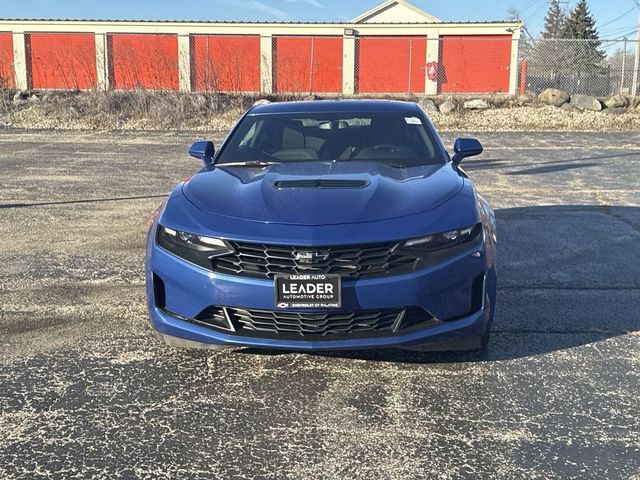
{"points": [[325, 225]]}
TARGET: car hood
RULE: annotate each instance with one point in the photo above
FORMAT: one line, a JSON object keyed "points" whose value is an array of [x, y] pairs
{"points": [[337, 193]]}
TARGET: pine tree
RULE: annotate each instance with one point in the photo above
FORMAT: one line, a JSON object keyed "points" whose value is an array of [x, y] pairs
{"points": [[548, 53], [581, 26], [554, 21]]}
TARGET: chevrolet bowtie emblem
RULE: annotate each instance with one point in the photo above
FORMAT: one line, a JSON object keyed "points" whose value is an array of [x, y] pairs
{"points": [[310, 257]]}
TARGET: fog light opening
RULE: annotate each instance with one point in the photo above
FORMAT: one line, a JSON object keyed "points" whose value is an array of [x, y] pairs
{"points": [[158, 292]]}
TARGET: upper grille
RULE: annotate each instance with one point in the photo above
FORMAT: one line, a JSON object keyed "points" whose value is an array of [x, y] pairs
{"points": [[281, 323], [358, 261]]}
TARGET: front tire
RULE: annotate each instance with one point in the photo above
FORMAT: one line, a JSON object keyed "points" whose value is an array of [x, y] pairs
{"points": [[486, 334]]}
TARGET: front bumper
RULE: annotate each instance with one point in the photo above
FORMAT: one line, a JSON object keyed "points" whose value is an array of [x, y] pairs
{"points": [[444, 290], [462, 334]]}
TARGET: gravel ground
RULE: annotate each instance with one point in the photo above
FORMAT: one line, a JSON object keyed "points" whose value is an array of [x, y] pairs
{"points": [[538, 118], [87, 392]]}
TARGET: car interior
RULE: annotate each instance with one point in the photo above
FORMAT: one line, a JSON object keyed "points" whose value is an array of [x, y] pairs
{"points": [[385, 138]]}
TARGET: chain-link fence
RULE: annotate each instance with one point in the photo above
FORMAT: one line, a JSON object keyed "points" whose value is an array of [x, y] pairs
{"points": [[598, 68], [354, 64]]}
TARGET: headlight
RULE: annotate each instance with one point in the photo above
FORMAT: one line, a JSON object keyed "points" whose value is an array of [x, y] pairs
{"points": [[446, 239], [192, 247]]}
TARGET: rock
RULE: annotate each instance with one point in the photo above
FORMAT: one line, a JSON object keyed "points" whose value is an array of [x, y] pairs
{"points": [[428, 105], [615, 110], [20, 97], [555, 97], [585, 102], [33, 98], [477, 104], [199, 100], [569, 108], [499, 102], [526, 99], [262, 101], [617, 101], [447, 107]]}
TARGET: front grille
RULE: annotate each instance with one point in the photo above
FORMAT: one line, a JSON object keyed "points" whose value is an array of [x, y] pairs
{"points": [[327, 326], [353, 261]]}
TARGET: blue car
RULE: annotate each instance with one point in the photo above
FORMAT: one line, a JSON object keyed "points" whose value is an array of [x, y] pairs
{"points": [[325, 225]]}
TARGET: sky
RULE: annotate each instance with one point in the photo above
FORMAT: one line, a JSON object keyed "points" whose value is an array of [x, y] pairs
{"points": [[615, 18]]}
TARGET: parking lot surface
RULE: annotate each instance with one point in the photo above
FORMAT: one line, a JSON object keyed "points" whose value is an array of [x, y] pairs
{"points": [[86, 391]]}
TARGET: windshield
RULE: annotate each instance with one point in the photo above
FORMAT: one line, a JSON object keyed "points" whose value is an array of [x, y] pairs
{"points": [[397, 139]]}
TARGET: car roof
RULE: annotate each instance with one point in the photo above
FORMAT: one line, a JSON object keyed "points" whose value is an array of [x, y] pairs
{"points": [[336, 106]]}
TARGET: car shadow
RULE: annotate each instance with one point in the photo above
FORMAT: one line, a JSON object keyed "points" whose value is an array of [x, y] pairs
{"points": [[84, 200], [554, 168], [564, 281], [499, 163]]}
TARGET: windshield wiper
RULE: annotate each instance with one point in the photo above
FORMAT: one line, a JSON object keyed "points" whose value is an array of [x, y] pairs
{"points": [[248, 163]]}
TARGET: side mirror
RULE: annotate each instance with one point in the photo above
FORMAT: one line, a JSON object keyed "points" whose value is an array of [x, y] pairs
{"points": [[465, 147], [203, 151]]}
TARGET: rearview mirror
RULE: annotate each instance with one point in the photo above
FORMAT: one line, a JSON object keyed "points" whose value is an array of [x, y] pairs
{"points": [[465, 147], [203, 150]]}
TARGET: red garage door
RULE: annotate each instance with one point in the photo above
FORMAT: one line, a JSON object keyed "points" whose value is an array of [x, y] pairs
{"points": [[144, 61], [308, 64], [6, 60], [391, 64], [475, 63], [62, 60], [226, 63]]}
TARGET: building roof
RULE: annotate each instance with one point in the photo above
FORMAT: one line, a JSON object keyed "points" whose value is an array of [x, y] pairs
{"points": [[234, 22], [395, 11], [389, 12]]}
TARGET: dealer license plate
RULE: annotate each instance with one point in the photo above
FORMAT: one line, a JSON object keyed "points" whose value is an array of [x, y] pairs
{"points": [[308, 291]]}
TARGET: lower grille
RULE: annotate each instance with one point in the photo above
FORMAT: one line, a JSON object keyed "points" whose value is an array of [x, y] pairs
{"points": [[327, 326]]}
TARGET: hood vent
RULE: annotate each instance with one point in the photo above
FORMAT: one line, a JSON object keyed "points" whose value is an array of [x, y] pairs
{"points": [[320, 184]]}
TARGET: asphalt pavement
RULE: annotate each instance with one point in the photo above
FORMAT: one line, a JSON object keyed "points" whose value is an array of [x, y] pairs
{"points": [[86, 391]]}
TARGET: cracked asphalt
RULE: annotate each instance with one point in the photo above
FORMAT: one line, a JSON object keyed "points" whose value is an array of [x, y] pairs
{"points": [[87, 392]]}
